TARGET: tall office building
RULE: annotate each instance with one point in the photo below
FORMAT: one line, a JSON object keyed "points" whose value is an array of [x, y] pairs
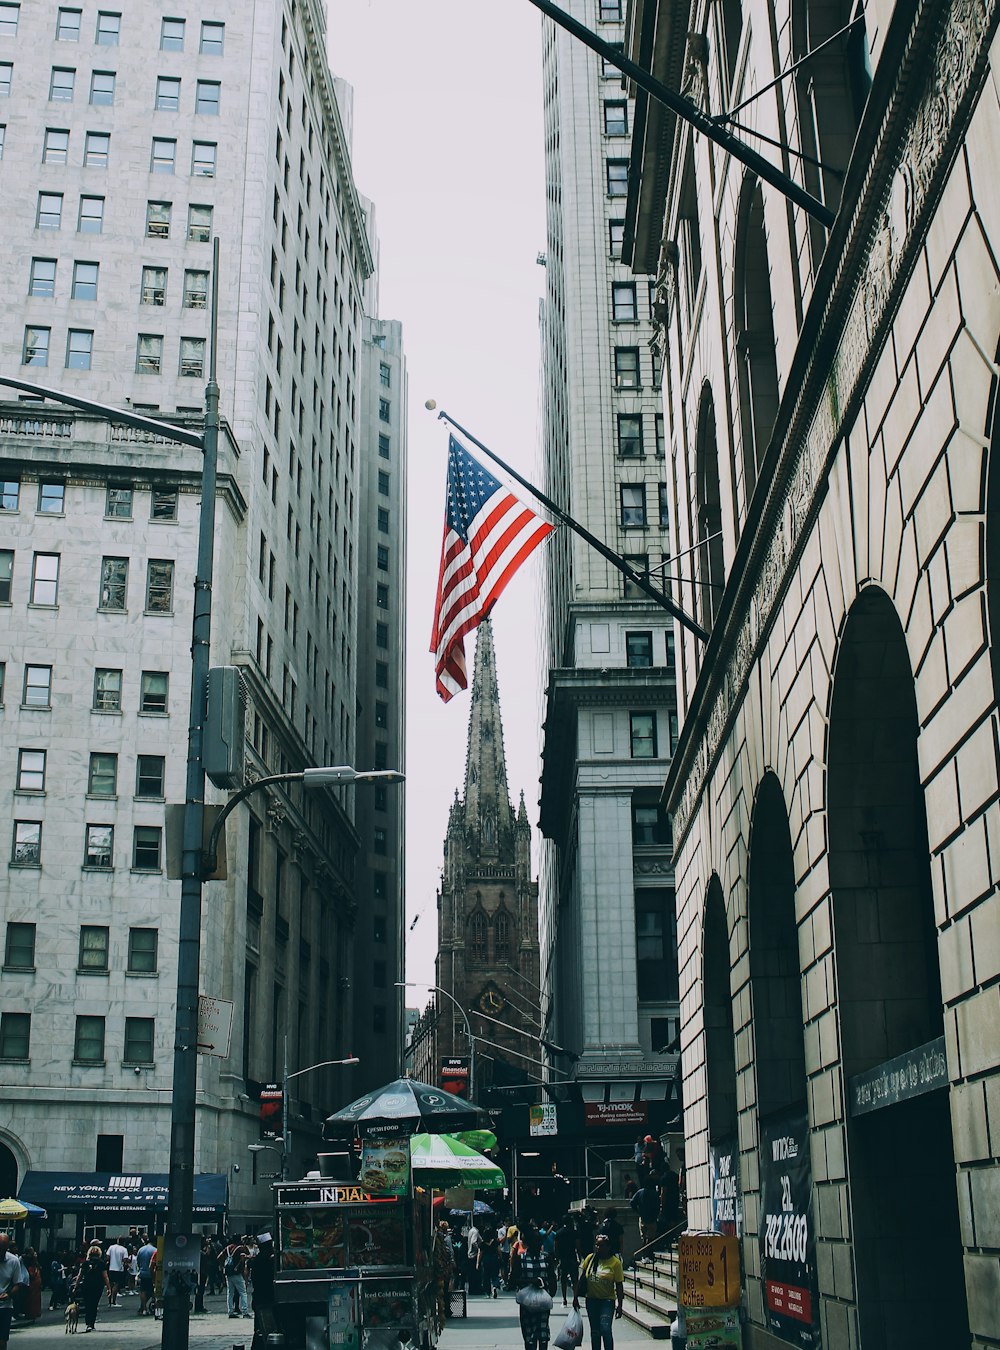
{"points": [[130, 137], [606, 895]]}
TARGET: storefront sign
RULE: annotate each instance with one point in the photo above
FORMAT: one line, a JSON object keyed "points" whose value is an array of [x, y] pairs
{"points": [[271, 1110], [924, 1069], [543, 1119], [615, 1113], [787, 1238], [727, 1202], [455, 1075], [709, 1270]]}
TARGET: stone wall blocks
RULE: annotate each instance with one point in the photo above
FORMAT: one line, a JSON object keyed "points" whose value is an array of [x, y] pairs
{"points": [[976, 764], [933, 512], [984, 922], [977, 1032], [972, 382], [901, 416], [892, 531], [919, 622], [965, 552], [955, 957], [969, 1122], [982, 1284], [911, 316], [907, 574], [857, 455], [965, 635], [932, 678], [881, 389], [978, 287], [948, 221], [984, 1189]]}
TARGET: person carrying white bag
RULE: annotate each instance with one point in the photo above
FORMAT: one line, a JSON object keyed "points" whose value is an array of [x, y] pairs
{"points": [[571, 1333]]}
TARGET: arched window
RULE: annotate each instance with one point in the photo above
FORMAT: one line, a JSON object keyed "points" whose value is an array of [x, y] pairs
{"points": [[478, 937], [502, 936], [732, 30], [711, 568], [755, 351]]}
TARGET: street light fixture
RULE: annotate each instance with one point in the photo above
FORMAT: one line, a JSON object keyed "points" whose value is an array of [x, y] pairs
{"points": [[286, 1077], [416, 984]]}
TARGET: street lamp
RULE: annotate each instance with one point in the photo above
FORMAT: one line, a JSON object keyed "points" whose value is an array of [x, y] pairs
{"points": [[414, 984], [262, 1148], [286, 1077]]}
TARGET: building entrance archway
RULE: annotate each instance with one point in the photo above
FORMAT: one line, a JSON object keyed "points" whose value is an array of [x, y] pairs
{"points": [[900, 1153], [9, 1178]]}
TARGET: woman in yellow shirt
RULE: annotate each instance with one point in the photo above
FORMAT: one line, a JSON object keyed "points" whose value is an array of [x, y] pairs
{"points": [[602, 1282]]}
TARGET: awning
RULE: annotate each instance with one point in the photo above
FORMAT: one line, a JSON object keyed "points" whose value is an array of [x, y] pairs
{"points": [[110, 1193]]}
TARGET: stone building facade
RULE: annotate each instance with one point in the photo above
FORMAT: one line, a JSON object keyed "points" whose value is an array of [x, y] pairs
{"points": [[129, 139], [831, 420]]}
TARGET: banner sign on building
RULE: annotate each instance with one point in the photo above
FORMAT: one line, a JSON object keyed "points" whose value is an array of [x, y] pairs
{"points": [[787, 1237], [455, 1075], [271, 1103], [543, 1119], [616, 1113], [727, 1202]]}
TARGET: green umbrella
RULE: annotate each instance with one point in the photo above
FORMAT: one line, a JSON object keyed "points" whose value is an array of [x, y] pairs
{"points": [[482, 1140], [441, 1160]]}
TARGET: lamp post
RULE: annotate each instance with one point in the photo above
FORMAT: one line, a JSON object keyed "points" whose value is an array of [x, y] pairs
{"points": [[414, 984], [262, 1148], [286, 1077]]}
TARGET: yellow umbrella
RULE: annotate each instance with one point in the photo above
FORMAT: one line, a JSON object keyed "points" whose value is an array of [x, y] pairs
{"points": [[12, 1209]]}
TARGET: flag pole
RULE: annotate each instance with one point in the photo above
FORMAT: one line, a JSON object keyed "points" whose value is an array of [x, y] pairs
{"points": [[615, 559]]}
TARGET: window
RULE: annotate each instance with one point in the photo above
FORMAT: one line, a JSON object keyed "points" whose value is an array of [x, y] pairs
{"points": [[650, 825], [85, 280], [88, 1045], [79, 349], [154, 286], [633, 503], [383, 446], [616, 237], [98, 849], [102, 779], [383, 483], [623, 303], [10, 496], [617, 177], [212, 38], [153, 691], [661, 445], [163, 155], [627, 368], [382, 596], [159, 586], [638, 649], [107, 690], [19, 949], [3, 133], [172, 35], [157, 220], [55, 146], [383, 519], [208, 94], [9, 14], [149, 354], [118, 502], [68, 25], [642, 735], [6, 75], [114, 584], [45, 579], [109, 1154], [610, 11], [656, 944], [49, 213], [6, 574], [149, 774], [27, 845], [15, 1035], [199, 224], [378, 1018], [382, 635], [42, 277], [51, 498], [97, 149], [383, 410], [382, 557], [195, 290], [381, 714], [663, 505], [381, 675], [203, 159], [108, 29], [192, 358], [615, 119], [146, 841], [61, 82], [102, 88], [37, 690], [163, 504], [168, 94], [91, 218], [384, 375], [379, 840], [142, 951], [31, 770]]}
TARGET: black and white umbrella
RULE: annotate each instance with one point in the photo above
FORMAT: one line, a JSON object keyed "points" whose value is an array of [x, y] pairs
{"points": [[410, 1106]]}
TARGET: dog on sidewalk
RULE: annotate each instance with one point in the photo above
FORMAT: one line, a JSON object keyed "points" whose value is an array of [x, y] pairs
{"points": [[72, 1317]]}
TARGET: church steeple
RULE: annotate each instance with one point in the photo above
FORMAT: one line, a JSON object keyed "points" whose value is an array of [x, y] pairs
{"points": [[489, 816]]}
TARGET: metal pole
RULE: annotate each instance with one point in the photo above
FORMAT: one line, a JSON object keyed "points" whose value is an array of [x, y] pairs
{"points": [[286, 1128], [180, 1211]]}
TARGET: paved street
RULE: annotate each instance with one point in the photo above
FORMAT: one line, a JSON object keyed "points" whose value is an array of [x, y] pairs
{"points": [[492, 1324]]}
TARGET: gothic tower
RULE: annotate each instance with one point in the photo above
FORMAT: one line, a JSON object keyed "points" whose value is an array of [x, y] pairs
{"points": [[488, 904]]}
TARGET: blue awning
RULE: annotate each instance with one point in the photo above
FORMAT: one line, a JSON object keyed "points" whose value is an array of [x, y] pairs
{"points": [[113, 1193]]}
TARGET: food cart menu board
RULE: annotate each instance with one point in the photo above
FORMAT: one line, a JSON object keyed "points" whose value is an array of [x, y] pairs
{"points": [[330, 1238]]}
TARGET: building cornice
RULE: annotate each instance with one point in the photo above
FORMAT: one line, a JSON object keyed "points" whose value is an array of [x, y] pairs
{"points": [[905, 148]]}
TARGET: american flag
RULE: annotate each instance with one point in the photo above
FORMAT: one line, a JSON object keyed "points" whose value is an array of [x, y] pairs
{"points": [[488, 533]]}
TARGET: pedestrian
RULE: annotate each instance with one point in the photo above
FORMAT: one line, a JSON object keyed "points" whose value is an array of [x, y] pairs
{"points": [[57, 1284], [646, 1203], [566, 1255], [602, 1283], [488, 1263], [586, 1227], [117, 1268], [631, 1186], [33, 1298], [262, 1277], [613, 1230], [10, 1276], [670, 1200], [652, 1153], [532, 1269], [91, 1282], [233, 1259], [442, 1264], [144, 1258]]}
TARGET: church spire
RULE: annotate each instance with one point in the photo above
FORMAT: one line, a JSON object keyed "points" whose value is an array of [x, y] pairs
{"points": [[488, 812]]}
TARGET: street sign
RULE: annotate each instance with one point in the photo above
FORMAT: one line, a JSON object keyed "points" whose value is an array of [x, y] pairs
{"points": [[215, 1026], [709, 1270], [543, 1119]]}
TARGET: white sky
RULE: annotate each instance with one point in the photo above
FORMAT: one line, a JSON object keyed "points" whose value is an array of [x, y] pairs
{"points": [[448, 144]]}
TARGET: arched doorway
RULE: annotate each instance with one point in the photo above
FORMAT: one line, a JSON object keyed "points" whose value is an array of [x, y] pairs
{"points": [[720, 1053], [9, 1178], [901, 1161]]}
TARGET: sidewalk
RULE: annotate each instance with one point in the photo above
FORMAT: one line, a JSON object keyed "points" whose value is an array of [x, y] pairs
{"points": [[120, 1329], [492, 1324]]}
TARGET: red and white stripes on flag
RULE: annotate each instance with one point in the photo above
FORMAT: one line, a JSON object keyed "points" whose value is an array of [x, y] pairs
{"points": [[488, 533]]}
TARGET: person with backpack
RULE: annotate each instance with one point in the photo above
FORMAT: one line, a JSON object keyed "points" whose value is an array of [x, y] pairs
{"points": [[233, 1260], [646, 1203]]}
